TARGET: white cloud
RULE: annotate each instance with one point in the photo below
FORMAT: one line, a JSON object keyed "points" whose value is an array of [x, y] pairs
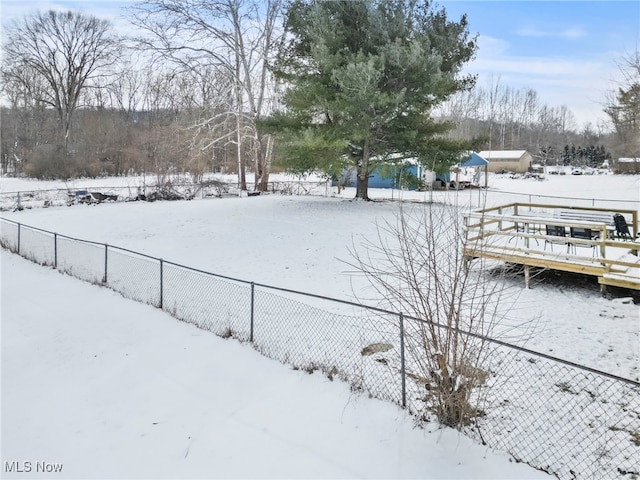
{"points": [[531, 32], [539, 67], [574, 32], [581, 85], [490, 46], [570, 33]]}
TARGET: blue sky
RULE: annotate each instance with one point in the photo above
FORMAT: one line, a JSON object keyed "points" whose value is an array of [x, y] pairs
{"points": [[568, 51]]}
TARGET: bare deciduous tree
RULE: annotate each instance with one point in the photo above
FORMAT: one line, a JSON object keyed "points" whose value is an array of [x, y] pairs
{"points": [[507, 118], [623, 107], [25, 125], [67, 51], [236, 36]]}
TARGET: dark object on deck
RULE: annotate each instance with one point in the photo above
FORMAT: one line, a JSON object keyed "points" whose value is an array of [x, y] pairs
{"points": [[622, 229], [583, 234], [556, 231]]}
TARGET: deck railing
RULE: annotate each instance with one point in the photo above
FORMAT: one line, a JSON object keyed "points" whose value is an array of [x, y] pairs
{"points": [[518, 233]]}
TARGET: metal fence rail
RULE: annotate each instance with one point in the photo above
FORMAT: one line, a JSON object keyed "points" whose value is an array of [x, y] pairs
{"points": [[566, 419], [500, 196], [178, 189], [19, 200]]}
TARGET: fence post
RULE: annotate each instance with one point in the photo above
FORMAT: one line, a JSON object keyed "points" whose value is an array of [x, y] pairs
{"points": [[253, 292], [55, 250], [18, 239], [161, 282], [402, 363], [106, 250]]}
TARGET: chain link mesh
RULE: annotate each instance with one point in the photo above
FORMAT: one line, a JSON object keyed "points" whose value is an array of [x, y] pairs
{"points": [[562, 418], [83, 260], [9, 235], [358, 347], [134, 276], [219, 306], [37, 246], [566, 420]]}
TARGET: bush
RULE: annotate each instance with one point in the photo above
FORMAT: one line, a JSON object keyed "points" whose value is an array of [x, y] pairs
{"points": [[417, 267]]}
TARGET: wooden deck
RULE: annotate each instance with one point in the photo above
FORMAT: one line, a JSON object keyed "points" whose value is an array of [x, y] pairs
{"points": [[517, 233]]}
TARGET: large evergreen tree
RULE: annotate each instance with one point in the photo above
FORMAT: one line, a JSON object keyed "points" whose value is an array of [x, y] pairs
{"points": [[362, 78]]}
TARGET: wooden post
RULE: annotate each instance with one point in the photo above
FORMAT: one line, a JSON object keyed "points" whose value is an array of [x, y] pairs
{"points": [[527, 276]]}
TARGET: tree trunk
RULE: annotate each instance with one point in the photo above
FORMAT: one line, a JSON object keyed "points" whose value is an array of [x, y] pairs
{"points": [[362, 184], [265, 161], [242, 179], [362, 181]]}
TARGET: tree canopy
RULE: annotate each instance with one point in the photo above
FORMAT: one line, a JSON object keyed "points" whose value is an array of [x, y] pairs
{"points": [[624, 107], [55, 56], [234, 38], [362, 78]]}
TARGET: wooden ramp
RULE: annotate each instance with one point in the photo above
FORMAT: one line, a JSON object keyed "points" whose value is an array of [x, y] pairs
{"points": [[623, 276]]}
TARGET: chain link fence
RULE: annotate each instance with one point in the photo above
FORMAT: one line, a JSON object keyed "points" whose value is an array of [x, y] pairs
{"points": [[565, 419], [568, 420], [170, 190], [503, 197], [181, 189]]}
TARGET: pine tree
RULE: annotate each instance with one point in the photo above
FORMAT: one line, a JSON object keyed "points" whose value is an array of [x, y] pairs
{"points": [[363, 77]]}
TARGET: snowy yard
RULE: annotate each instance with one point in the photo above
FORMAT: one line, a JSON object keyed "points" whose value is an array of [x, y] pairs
{"points": [[302, 243], [117, 384], [103, 387]]}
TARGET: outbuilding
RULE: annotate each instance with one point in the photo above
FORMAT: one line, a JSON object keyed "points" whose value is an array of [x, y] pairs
{"points": [[627, 165], [516, 161], [410, 174]]}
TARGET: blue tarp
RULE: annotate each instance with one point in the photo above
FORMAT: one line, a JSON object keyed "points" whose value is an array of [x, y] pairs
{"points": [[475, 160]]}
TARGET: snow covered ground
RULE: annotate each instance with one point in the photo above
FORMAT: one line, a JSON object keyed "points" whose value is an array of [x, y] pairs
{"points": [[127, 375], [98, 386], [302, 243]]}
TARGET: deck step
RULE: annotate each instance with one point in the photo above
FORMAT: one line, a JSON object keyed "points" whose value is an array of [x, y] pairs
{"points": [[629, 279]]}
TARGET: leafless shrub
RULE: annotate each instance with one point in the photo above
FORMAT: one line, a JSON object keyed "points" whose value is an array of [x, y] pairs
{"points": [[416, 266]]}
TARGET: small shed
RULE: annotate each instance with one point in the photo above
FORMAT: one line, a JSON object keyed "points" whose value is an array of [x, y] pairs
{"points": [[628, 165], [406, 174], [517, 161], [410, 174]]}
